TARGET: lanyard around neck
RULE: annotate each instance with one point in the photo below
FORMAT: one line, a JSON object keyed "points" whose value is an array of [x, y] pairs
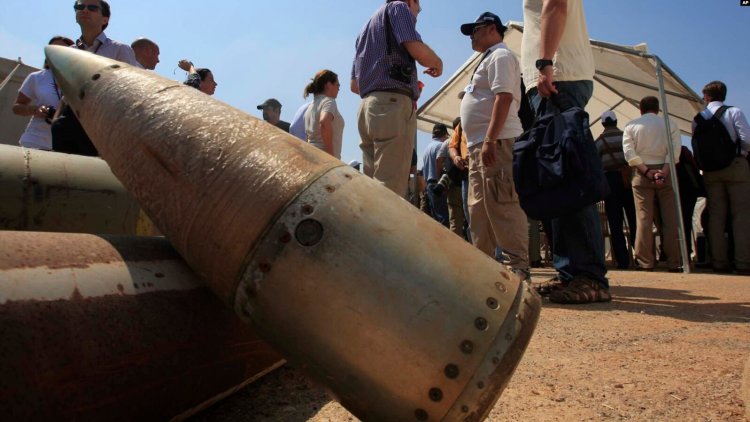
{"points": [[486, 53]]}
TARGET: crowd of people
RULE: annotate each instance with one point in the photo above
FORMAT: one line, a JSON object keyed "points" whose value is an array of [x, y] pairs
{"points": [[468, 175]]}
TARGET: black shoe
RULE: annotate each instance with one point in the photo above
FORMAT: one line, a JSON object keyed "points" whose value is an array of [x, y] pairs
{"points": [[536, 264]]}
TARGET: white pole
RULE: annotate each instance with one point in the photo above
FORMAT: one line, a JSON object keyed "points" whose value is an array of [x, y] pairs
{"points": [[673, 168]]}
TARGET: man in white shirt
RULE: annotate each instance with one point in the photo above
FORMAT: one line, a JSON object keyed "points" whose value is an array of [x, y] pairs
{"points": [[489, 117], [729, 188], [557, 60], [644, 143]]}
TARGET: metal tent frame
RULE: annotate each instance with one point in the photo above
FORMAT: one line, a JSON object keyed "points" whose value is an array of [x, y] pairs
{"points": [[623, 76]]}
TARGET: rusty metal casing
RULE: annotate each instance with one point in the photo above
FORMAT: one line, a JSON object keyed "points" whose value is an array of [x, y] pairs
{"points": [[114, 328], [398, 318], [49, 191]]}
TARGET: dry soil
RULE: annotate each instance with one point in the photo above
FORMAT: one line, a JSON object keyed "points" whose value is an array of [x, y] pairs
{"points": [[668, 347]]}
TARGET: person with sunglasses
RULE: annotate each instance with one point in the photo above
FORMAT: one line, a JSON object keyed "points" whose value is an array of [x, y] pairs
{"points": [[489, 117], [93, 18]]}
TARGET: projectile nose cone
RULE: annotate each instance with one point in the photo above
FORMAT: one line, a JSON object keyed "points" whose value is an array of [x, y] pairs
{"points": [[74, 68]]}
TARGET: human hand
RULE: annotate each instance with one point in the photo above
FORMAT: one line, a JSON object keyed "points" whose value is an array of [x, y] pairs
{"points": [[546, 83], [185, 65], [41, 112], [459, 162], [488, 153], [659, 178], [433, 71]]}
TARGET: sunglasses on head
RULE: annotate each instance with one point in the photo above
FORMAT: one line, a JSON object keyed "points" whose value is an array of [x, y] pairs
{"points": [[89, 7]]}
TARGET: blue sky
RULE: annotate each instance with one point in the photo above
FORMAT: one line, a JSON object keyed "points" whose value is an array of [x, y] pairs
{"points": [[268, 49]]}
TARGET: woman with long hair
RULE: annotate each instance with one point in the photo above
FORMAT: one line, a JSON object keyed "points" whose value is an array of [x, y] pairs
{"points": [[39, 98], [324, 125]]}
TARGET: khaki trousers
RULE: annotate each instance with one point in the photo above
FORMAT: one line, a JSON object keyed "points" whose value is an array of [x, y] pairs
{"points": [[729, 195], [495, 215], [645, 194], [456, 210], [388, 129]]}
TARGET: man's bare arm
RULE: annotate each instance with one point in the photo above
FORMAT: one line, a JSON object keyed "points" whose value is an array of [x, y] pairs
{"points": [[499, 114], [424, 55], [554, 19]]}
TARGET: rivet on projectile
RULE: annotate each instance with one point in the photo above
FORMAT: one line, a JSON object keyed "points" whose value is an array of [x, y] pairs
{"points": [[309, 232], [421, 415], [451, 371], [308, 209], [500, 286], [330, 189], [465, 409], [481, 324], [96, 77], [436, 394], [492, 303], [286, 237], [467, 346], [480, 385], [264, 267], [115, 66]]}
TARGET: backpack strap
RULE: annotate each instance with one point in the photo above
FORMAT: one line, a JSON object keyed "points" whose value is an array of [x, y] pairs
{"points": [[719, 113]]}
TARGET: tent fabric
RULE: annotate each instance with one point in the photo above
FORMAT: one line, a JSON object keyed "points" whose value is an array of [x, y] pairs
{"points": [[11, 125], [623, 76]]}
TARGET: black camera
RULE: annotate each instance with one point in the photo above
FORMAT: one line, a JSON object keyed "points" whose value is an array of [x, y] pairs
{"points": [[442, 185], [401, 72], [50, 114]]}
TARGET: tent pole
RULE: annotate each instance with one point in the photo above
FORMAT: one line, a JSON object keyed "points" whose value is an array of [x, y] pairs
{"points": [[673, 168]]}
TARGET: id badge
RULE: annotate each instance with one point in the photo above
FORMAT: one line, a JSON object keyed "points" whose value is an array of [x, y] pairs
{"points": [[469, 88]]}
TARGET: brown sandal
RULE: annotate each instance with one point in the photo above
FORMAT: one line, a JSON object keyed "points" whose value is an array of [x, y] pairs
{"points": [[580, 291]]}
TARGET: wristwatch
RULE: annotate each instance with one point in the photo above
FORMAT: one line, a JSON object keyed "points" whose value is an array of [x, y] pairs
{"points": [[542, 63]]}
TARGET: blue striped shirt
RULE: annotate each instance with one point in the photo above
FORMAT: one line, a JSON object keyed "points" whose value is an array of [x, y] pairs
{"points": [[372, 64]]}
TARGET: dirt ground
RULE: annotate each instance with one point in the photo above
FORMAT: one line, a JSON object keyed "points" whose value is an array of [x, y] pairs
{"points": [[668, 347]]}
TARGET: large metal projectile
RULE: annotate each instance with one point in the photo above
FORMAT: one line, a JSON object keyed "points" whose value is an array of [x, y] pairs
{"points": [[114, 328], [398, 318], [53, 192]]}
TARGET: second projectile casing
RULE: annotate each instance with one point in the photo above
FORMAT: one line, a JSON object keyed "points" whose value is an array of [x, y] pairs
{"points": [[398, 318], [114, 328]]}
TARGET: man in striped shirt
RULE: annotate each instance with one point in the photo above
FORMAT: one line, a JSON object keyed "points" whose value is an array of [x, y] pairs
{"points": [[384, 74]]}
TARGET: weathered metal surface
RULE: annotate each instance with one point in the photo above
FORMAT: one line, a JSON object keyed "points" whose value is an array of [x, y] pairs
{"points": [[114, 328], [48, 191], [424, 329], [397, 317]]}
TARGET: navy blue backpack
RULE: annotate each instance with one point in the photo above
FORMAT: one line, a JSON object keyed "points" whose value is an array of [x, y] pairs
{"points": [[556, 167]]}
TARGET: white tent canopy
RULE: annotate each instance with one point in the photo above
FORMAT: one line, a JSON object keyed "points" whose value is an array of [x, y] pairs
{"points": [[623, 76]]}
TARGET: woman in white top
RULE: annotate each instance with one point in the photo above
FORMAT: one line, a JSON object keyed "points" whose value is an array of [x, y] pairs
{"points": [[39, 97], [324, 125]]}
